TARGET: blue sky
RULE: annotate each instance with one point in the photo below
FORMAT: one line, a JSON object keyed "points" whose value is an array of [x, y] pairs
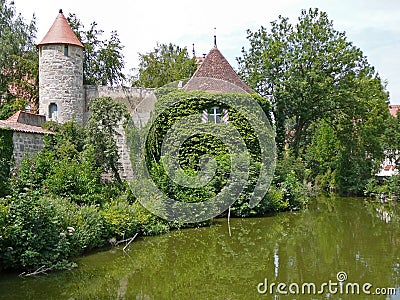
{"points": [[373, 26]]}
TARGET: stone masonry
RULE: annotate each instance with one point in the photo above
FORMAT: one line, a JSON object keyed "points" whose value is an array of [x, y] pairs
{"points": [[137, 100], [139, 103], [26, 144], [61, 82]]}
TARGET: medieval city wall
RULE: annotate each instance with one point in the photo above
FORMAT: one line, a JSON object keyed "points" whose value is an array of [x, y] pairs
{"points": [[139, 102], [26, 144]]}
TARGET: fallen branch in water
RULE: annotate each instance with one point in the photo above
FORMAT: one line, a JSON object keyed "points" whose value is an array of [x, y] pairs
{"points": [[41, 270], [131, 240], [121, 241]]}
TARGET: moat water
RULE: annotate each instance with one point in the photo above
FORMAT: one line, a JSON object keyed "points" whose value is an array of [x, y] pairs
{"points": [[337, 245]]}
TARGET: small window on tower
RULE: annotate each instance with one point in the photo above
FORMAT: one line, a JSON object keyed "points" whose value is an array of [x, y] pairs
{"points": [[66, 50], [53, 111]]}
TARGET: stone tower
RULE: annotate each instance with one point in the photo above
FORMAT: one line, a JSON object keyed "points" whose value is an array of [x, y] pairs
{"points": [[61, 95]]}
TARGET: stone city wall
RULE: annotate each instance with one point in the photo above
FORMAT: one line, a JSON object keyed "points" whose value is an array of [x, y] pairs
{"points": [[139, 102], [26, 143]]}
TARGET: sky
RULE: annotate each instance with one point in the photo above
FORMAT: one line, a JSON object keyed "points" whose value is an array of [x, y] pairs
{"points": [[373, 26]]}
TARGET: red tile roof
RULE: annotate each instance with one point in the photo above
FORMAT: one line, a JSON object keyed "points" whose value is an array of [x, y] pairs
{"points": [[216, 68], [25, 122], [60, 33], [393, 109]]}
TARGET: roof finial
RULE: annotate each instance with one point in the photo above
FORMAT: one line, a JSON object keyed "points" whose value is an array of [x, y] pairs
{"points": [[215, 37], [60, 11], [194, 52]]}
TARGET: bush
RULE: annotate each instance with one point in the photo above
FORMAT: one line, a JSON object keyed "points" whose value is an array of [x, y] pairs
{"points": [[31, 235], [77, 179], [294, 192], [120, 219], [389, 187], [33, 171]]}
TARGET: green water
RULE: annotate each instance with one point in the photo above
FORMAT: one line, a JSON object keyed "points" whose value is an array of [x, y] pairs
{"points": [[352, 235]]}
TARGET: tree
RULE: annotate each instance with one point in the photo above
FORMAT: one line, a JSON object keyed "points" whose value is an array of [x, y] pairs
{"points": [[101, 132], [104, 61], [165, 64], [324, 94], [18, 62], [311, 71]]}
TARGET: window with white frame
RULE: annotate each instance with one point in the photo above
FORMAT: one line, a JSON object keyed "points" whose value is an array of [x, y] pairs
{"points": [[215, 115]]}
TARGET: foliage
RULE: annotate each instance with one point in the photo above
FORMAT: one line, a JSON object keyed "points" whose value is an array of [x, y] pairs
{"points": [[102, 131], [322, 157], [175, 106], [290, 175], [36, 230], [329, 104], [6, 153], [103, 59], [18, 61], [31, 233], [77, 178], [312, 72], [165, 64], [388, 188]]}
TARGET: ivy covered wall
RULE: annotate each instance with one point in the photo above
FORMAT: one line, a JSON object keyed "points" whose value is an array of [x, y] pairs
{"points": [[6, 153], [173, 111]]}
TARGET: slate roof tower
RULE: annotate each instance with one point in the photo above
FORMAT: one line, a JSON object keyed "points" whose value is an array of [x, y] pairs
{"points": [[61, 96]]}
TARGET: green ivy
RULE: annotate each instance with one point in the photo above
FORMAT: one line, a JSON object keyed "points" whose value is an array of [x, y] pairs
{"points": [[6, 152], [172, 107]]}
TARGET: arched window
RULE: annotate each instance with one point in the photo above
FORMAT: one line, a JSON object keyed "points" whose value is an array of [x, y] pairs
{"points": [[53, 111]]}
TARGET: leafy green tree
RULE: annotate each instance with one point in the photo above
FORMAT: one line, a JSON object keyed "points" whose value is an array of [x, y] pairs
{"points": [[18, 61], [321, 156], [104, 61], [392, 139], [165, 64], [311, 70], [102, 131], [313, 74], [360, 128]]}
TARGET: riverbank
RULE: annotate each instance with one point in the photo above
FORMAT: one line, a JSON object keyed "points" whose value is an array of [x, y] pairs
{"points": [[56, 206], [312, 245]]}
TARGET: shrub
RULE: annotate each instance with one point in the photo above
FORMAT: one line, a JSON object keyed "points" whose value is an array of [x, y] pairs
{"points": [[120, 219], [31, 233], [77, 179]]}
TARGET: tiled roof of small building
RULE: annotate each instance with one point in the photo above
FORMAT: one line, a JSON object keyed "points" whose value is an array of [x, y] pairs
{"points": [[393, 109], [216, 68], [25, 122], [60, 33], [208, 84]]}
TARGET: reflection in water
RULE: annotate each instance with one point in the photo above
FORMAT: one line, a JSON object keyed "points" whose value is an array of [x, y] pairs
{"points": [[276, 262], [332, 235]]}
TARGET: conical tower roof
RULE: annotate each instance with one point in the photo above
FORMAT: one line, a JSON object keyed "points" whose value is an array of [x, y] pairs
{"points": [[60, 33], [215, 74]]}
